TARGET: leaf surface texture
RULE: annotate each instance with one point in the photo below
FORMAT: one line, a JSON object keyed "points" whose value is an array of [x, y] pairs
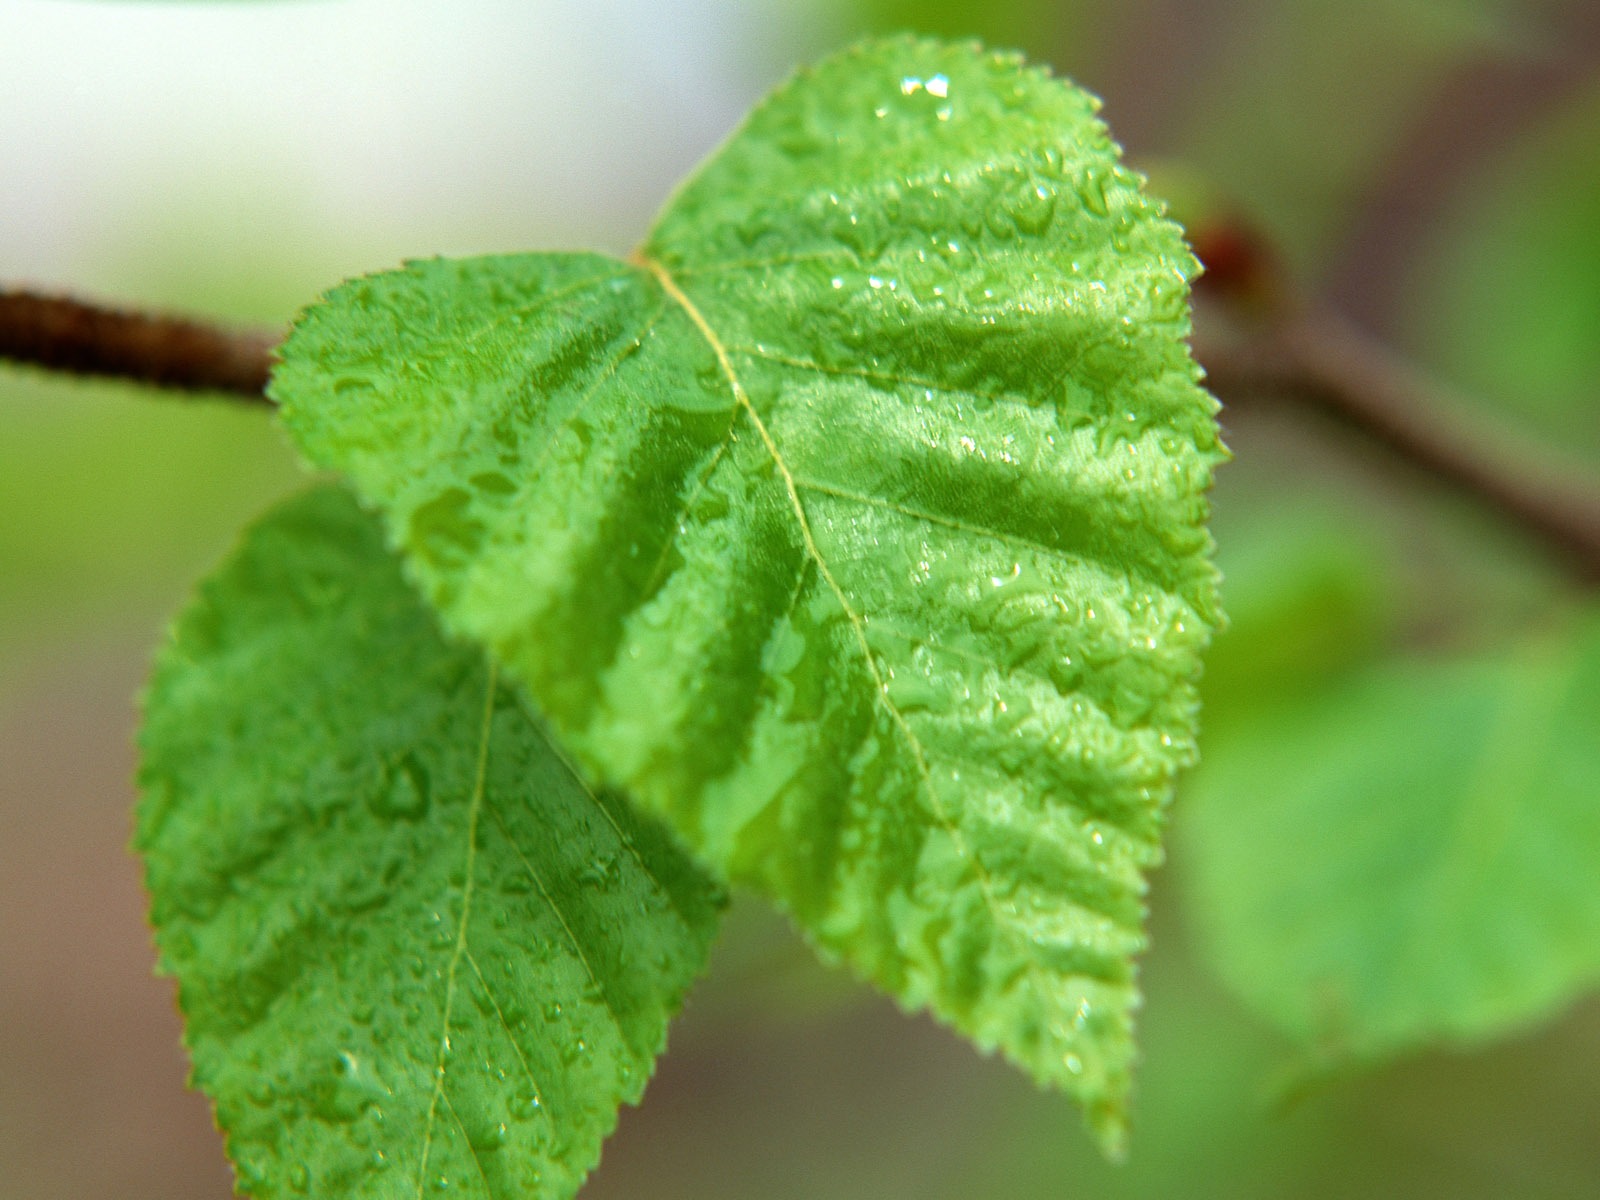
{"points": [[855, 525], [416, 956]]}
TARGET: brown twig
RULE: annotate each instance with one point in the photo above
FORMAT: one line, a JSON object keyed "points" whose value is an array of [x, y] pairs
{"points": [[1315, 359], [169, 352], [1319, 361], [1287, 349]]}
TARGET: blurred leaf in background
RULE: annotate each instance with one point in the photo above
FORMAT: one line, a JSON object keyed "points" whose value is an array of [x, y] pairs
{"points": [[1408, 856], [1508, 303]]}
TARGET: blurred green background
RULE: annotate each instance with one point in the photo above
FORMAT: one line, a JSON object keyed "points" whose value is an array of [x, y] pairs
{"points": [[1429, 166]]}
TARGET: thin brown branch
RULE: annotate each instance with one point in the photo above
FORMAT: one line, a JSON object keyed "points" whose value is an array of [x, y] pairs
{"points": [[1321, 362], [1287, 349], [168, 352]]}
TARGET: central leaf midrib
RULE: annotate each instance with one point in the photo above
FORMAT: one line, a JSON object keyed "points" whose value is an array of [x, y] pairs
{"points": [[676, 294], [474, 810]]}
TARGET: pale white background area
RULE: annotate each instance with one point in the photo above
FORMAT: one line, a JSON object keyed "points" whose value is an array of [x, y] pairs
{"points": [[298, 135]]}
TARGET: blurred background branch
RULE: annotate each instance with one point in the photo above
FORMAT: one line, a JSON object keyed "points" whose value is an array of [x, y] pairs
{"points": [[1316, 359], [1261, 341]]}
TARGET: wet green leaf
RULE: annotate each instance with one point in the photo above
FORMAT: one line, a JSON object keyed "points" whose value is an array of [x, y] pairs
{"points": [[413, 951], [855, 525], [1409, 857]]}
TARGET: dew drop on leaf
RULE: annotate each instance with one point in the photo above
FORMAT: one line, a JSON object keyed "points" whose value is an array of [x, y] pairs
{"points": [[405, 792]]}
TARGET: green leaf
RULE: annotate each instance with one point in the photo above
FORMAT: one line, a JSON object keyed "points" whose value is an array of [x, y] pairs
{"points": [[1409, 858], [855, 525], [412, 950]]}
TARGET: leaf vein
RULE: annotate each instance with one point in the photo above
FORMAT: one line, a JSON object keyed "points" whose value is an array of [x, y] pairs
{"points": [[917, 514], [511, 1036], [764, 264], [577, 946], [814, 552], [474, 809], [807, 364], [604, 375], [477, 1160], [501, 315]]}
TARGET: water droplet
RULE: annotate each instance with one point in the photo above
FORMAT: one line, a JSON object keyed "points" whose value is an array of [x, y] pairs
{"points": [[602, 872], [494, 483], [252, 1171], [1092, 191], [489, 1137], [348, 1090], [445, 527], [525, 1103], [1033, 208], [572, 1051], [405, 791]]}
